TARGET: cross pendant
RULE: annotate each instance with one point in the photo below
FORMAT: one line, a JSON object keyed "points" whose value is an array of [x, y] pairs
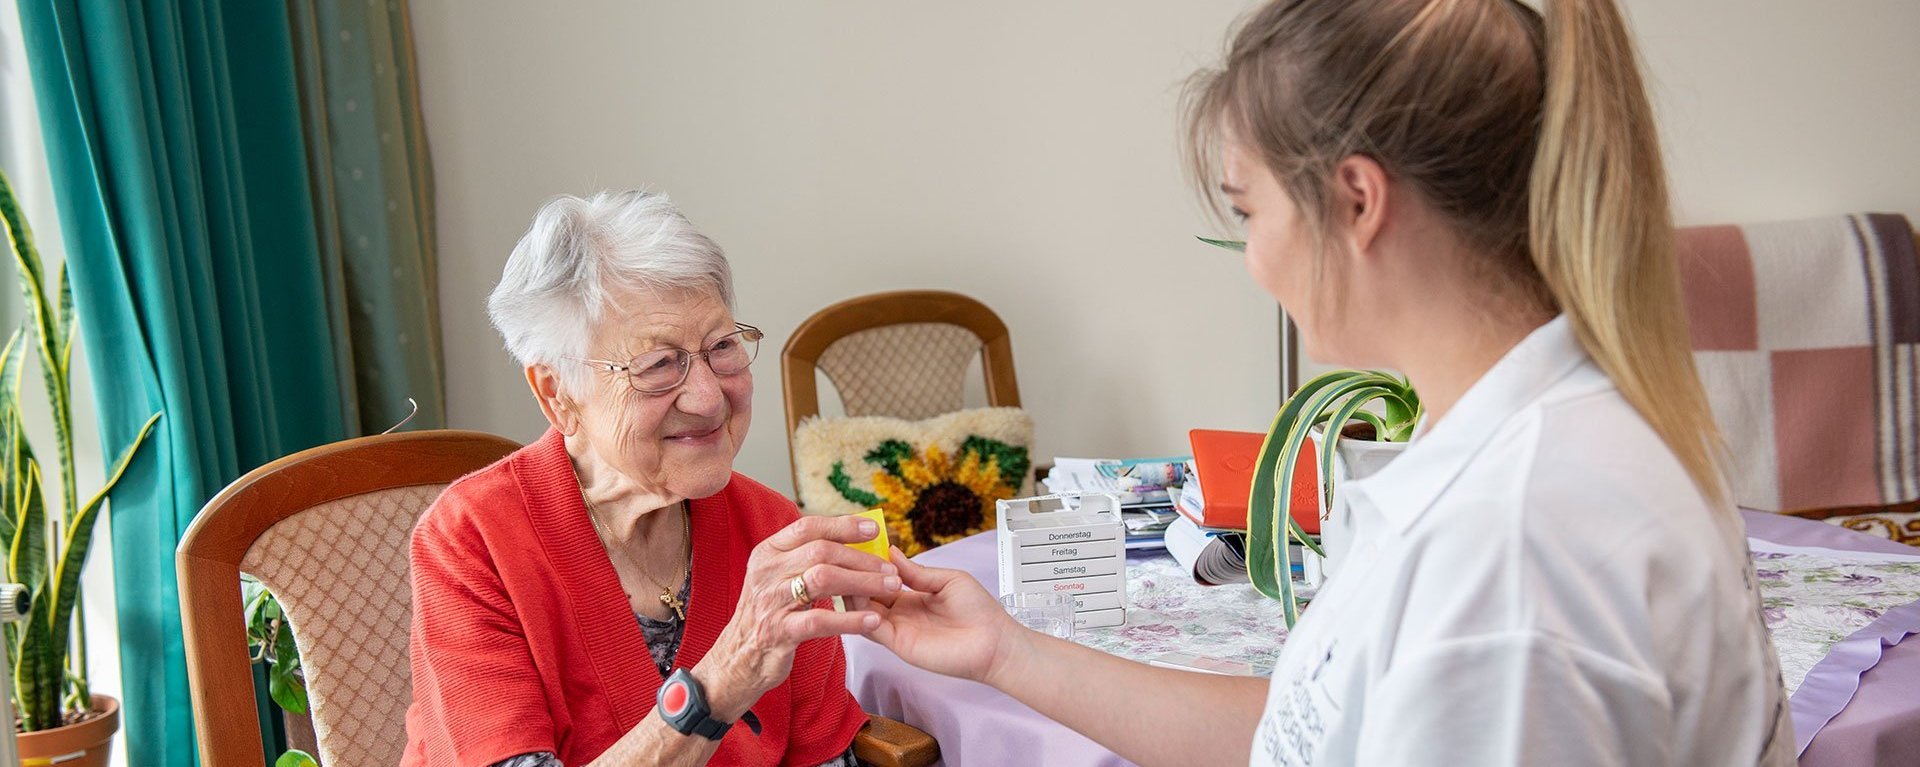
{"points": [[679, 608]]}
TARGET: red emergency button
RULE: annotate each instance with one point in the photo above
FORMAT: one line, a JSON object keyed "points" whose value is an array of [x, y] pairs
{"points": [[675, 699]]}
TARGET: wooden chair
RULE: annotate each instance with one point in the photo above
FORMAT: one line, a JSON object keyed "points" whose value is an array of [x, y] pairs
{"points": [[902, 354], [327, 531]]}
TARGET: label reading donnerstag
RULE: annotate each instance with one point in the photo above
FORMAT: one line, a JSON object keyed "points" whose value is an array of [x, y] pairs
{"points": [[1090, 585], [1055, 552], [1049, 532], [1072, 568]]}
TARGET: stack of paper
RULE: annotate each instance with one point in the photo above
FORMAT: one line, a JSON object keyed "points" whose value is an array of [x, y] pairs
{"points": [[1144, 487]]}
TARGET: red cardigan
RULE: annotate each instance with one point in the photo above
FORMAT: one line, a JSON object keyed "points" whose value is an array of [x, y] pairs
{"points": [[523, 640]]}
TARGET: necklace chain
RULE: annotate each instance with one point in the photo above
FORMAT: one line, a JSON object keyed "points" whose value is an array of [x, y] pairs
{"points": [[667, 595]]}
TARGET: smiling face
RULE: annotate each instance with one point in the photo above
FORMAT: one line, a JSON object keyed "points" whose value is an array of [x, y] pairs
{"points": [[679, 443]]}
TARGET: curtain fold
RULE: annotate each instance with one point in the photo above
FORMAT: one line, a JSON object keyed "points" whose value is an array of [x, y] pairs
{"points": [[372, 185], [245, 200]]}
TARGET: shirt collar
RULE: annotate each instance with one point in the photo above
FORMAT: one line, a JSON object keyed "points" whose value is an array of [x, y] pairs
{"points": [[1409, 485]]}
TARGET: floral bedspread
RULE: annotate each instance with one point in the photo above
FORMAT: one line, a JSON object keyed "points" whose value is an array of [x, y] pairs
{"points": [[1811, 602]]}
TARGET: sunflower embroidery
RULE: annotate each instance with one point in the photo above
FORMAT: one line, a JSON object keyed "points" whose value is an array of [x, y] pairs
{"points": [[928, 497]]}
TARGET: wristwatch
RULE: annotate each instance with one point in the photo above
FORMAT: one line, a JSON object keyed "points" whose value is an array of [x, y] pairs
{"points": [[683, 704]]}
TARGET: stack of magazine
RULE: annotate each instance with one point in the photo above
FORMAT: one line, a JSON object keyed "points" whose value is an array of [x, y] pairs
{"points": [[1144, 486], [1216, 556]]}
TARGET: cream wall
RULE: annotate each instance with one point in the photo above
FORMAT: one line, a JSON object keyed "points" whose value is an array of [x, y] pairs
{"points": [[1025, 153]]}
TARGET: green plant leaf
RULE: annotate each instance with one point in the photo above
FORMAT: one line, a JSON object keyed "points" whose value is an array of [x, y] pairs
{"points": [[12, 434], [37, 664], [63, 315], [27, 553], [1330, 438], [286, 691], [78, 540], [46, 318], [283, 671], [843, 483], [1268, 517], [296, 758], [1233, 245]]}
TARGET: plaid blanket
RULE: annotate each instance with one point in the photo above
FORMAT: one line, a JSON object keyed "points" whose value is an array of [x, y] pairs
{"points": [[1807, 338]]}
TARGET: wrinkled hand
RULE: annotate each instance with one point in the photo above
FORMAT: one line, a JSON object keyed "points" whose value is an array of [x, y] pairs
{"points": [[947, 624], [755, 652]]}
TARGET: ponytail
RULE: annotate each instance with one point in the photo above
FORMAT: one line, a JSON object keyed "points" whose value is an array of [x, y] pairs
{"points": [[1601, 233], [1533, 136]]}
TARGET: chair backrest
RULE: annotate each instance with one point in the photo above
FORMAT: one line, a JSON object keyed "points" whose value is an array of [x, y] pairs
{"points": [[902, 354], [326, 530]]}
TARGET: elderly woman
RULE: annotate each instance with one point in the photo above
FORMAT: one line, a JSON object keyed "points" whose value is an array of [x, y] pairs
{"points": [[613, 593]]}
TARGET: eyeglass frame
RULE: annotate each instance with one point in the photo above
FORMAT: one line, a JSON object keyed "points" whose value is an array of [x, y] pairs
{"points": [[686, 369]]}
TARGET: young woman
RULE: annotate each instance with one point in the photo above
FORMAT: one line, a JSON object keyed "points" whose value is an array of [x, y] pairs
{"points": [[1472, 194]]}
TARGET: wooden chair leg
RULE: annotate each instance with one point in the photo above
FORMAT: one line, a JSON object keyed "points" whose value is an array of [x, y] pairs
{"points": [[888, 743]]}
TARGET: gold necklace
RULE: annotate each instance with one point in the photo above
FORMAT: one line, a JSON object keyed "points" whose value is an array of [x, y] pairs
{"points": [[667, 595]]}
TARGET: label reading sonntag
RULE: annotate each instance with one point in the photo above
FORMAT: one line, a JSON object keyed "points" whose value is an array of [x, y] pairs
{"points": [[1092, 585]]}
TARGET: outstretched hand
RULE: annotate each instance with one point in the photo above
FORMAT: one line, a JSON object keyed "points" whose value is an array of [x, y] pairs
{"points": [[947, 624]]}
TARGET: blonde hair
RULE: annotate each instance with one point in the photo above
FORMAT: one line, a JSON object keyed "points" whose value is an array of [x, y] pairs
{"points": [[1533, 135]]}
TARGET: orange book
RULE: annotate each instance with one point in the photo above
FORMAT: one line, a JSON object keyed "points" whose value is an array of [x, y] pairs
{"points": [[1223, 462]]}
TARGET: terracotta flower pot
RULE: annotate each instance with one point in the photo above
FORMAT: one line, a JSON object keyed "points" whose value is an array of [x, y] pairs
{"points": [[87, 744]]}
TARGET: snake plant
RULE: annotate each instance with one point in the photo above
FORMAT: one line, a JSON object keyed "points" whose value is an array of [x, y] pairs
{"points": [[45, 553], [1332, 400]]}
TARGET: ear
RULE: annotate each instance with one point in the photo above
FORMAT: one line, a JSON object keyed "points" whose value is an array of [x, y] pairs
{"points": [[560, 409], [1360, 192]]}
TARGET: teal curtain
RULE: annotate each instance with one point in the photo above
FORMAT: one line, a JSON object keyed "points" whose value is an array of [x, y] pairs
{"points": [[218, 254]]}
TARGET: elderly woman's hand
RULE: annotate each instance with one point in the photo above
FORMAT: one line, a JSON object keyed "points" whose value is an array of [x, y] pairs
{"points": [[755, 651]]}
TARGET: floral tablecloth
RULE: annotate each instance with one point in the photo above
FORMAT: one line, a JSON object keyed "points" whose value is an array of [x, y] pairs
{"points": [[1832, 613], [1812, 601], [1168, 612]]}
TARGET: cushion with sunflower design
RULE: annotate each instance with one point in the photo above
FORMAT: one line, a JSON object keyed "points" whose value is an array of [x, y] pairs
{"points": [[936, 480]]}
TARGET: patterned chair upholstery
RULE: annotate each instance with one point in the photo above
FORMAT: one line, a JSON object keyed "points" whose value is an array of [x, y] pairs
{"points": [[902, 354], [326, 531]]}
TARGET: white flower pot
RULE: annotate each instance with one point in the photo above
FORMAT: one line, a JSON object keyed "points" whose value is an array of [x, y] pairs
{"points": [[1353, 459]]}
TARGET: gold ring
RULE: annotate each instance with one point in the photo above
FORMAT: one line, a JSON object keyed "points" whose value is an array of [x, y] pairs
{"points": [[799, 589]]}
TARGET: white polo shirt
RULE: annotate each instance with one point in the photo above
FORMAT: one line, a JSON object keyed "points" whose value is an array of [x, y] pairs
{"points": [[1536, 580]]}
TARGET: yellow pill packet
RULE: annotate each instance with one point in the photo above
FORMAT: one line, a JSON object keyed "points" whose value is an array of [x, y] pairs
{"points": [[879, 545]]}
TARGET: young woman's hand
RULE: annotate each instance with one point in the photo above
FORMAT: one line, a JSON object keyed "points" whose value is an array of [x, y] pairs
{"points": [[947, 624]]}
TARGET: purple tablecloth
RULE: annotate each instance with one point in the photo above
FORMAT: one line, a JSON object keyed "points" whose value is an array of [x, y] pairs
{"points": [[1881, 725], [977, 725]]}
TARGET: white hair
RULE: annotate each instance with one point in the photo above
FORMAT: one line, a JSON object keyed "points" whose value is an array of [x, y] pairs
{"points": [[578, 255]]}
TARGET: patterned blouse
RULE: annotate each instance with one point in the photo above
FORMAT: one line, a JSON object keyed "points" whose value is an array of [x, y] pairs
{"points": [[663, 642]]}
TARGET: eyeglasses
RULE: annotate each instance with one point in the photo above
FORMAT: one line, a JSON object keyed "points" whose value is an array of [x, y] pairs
{"points": [[663, 370]]}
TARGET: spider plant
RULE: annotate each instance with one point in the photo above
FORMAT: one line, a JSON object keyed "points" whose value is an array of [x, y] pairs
{"points": [[45, 552], [1332, 401]]}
